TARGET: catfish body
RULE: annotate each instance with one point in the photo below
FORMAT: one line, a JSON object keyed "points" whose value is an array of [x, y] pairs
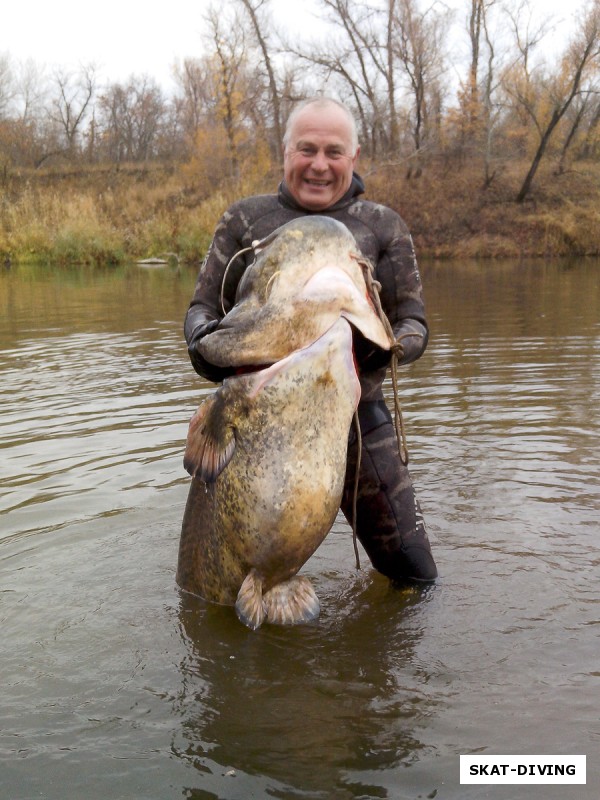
{"points": [[268, 454]]}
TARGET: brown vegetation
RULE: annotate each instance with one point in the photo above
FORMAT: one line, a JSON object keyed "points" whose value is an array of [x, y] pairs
{"points": [[452, 215], [104, 215]]}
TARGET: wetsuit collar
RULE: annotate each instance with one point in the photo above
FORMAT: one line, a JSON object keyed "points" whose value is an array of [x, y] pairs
{"points": [[356, 188]]}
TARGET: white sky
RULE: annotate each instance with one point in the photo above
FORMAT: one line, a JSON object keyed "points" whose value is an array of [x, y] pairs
{"points": [[125, 37]]}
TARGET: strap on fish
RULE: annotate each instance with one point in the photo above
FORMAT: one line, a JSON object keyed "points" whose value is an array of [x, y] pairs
{"points": [[233, 258]]}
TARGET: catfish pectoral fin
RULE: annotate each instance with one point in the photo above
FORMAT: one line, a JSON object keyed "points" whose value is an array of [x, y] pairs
{"points": [[249, 605], [292, 602], [210, 446]]}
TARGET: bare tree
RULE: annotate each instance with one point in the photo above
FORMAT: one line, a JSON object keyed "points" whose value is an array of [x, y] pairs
{"points": [[576, 116], [236, 108], [489, 83], [130, 120], [475, 92], [475, 27], [7, 91], [527, 33], [391, 74], [417, 42], [580, 58], [71, 102], [260, 28], [230, 49], [519, 76], [30, 90], [195, 80]]}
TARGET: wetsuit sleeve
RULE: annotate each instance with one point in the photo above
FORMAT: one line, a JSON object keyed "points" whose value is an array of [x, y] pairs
{"points": [[205, 310], [401, 290]]}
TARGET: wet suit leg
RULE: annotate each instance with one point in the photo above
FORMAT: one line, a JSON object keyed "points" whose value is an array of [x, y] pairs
{"points": [[390, 525]]}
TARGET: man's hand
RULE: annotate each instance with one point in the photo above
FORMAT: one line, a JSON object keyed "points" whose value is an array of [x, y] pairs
{"points": [[411, 335], [368, 356], [209, 371]]}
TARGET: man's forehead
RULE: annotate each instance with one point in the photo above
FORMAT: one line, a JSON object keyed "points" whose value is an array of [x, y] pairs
{"points": [[328, 140], [321, 139], [329, 124]]}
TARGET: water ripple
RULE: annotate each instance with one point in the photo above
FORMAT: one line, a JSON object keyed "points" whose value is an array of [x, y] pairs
{"points": [[89, 422]]}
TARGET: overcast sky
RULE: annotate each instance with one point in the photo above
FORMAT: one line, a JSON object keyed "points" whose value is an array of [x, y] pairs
{"points": [[125, 37]]}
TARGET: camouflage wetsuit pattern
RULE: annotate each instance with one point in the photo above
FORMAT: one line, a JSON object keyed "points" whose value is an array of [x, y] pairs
{"points": [[389, 522]]}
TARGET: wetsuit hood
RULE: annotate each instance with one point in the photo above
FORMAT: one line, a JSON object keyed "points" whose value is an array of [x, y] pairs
{"points": [[356, 188]]}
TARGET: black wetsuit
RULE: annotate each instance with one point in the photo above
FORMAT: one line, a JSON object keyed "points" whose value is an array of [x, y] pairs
{"points": [[389, 522]]}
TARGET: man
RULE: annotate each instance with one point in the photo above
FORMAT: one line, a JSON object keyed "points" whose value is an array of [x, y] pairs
{"points": [[320, 153]]}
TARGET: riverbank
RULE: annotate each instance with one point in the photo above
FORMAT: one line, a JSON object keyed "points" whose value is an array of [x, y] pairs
{"points": [[105, 215], [452, 215]]}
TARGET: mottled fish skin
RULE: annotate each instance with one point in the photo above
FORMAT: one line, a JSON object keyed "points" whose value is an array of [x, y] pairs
{"points": [[298, 286], [274, 501]]}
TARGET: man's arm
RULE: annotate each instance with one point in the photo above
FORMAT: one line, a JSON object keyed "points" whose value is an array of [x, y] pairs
{"points": [[205, 310], [401, 289]]}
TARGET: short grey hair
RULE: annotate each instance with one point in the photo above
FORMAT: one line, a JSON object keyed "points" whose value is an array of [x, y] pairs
{"points": [[321, 101]]}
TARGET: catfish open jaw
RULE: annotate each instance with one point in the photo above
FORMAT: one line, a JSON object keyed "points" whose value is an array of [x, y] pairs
{"points": [[332, 286]]}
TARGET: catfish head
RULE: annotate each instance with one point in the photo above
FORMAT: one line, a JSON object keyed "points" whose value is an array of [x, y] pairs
{"points": [[305, 276]]}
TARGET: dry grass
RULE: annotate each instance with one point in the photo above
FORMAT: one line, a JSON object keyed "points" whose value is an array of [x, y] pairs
{"points": [[109, 215], [451, 214]]}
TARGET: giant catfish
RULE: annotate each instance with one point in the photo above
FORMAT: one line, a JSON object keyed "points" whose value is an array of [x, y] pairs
{"points": [[267, 451]]}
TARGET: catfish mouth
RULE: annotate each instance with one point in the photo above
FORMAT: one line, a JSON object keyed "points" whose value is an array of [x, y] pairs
{"points": [[248, 368], [361, 347], [338, 335], [259, 331]]}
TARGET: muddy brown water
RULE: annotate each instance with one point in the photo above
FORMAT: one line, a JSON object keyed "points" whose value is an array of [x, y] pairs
{"points": [[115, 685]]}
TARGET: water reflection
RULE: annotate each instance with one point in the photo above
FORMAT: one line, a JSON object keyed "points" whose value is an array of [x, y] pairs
{"points": [[323, 703]]}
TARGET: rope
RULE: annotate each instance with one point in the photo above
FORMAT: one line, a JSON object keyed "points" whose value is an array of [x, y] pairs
{"points": [[230, 262], [397, 352], [256, 246], [355, 494]]}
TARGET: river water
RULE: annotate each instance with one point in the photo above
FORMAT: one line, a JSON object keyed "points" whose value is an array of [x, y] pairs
{"points": [[116, 685]]}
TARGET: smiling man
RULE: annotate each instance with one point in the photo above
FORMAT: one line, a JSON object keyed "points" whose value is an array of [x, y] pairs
{"points": [[320, 154]]}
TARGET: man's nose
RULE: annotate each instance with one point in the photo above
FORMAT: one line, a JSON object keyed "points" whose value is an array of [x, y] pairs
{"points": [[320, 162]]}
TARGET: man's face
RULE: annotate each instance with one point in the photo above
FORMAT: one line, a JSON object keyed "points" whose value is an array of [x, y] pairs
{"points": [[318, 160]]}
